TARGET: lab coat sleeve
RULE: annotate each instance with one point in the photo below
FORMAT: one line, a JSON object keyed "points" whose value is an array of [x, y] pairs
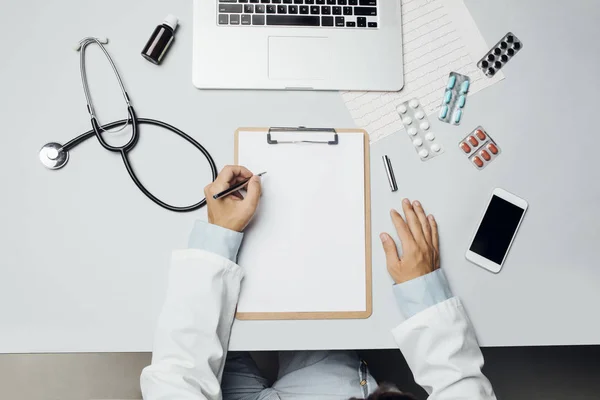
{"points": [[191, 341], [420, 293], [441, 349]]}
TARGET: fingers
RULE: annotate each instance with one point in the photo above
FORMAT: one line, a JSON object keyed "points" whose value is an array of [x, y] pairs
{"points": [[237, 180], [435, 239], [237, 195], [391, 252], [227, 175], [402, 229], [254, 190], [412, 221], [418, 208]]}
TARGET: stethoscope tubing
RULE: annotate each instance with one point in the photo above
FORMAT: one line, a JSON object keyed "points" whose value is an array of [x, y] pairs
{"points": [[83, 44], [124, 151]]}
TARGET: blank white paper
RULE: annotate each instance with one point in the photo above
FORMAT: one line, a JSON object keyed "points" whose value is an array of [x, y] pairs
{"points": [[304, 251]]}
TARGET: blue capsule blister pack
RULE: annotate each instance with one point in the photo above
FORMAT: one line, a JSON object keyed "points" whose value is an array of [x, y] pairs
{"points": [[455, 98]]}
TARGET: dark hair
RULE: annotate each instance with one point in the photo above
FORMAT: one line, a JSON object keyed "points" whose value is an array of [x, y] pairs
{"points": [[388, 392]]}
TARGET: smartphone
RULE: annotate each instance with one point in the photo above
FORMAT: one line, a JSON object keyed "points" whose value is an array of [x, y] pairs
{"points": [[496, 230]]}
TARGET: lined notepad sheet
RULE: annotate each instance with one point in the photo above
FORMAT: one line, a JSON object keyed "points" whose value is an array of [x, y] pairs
{"points": [[439, 36], [305, 249]]}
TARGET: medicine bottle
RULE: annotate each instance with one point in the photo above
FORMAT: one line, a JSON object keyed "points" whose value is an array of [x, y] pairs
{"points": [[160, 41]]}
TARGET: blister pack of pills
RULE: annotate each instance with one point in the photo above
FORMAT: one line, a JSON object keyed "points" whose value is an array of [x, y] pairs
{"points": [[417, 126], [480, 148], [455, 98], [499, 55]]}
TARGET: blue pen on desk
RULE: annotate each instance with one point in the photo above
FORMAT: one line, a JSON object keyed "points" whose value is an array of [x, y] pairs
{"points": [[235, 188]]}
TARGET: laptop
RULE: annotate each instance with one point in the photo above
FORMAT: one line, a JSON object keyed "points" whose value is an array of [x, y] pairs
{"points": [[298, 44]]}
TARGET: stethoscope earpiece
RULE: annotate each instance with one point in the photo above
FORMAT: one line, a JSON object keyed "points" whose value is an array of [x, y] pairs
{"points": [[100, 40]]}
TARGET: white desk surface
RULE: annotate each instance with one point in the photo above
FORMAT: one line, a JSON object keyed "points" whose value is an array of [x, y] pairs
{"points": [[84, 255]]}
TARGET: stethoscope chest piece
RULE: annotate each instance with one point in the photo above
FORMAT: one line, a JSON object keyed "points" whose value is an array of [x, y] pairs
{"points": [[53, 156]]}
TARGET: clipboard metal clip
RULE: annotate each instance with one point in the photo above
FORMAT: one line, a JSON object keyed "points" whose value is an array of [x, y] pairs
{"points": [[302, 129]]}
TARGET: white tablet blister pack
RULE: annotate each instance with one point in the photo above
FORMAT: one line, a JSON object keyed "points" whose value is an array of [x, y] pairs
{"points": [[417, 126]]}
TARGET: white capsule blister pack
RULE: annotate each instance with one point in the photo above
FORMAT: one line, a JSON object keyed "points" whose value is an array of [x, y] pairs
{"points": [[417, 126]]}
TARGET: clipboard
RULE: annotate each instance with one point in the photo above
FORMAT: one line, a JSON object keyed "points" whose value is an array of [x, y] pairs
{"points": [[279, 137]]}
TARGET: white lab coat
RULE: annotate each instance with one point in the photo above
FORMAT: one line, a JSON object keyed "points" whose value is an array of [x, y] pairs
{"points": [[192, 337]]}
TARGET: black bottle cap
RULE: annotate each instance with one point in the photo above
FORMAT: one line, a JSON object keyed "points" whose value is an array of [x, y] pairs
{"points": [[517, 45], [510, 52], [504, 58], [491, 57], [497, 64], [510, 38], [484, 64], [504, 45], [491, 71], [497, 51]]}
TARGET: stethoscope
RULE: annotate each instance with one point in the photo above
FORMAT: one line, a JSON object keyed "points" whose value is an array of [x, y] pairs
{"points": [[55, 156]]}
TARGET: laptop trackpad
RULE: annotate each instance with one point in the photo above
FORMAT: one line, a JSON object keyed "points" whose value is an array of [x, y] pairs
{"points": [[300, 58]]}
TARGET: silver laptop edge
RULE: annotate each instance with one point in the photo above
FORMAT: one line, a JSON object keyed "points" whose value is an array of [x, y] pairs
{"points": [[228, 56]]}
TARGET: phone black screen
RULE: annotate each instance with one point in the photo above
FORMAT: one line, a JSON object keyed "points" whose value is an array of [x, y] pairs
{"points": [[497, 229]]}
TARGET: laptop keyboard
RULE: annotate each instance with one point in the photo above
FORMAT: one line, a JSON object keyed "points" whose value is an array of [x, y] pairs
{"points": [[314, 13]]}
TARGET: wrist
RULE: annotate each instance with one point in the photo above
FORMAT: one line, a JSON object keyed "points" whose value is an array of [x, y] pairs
{"points": [[229, 225], [421, 293], [216, 239], [405, 277]]}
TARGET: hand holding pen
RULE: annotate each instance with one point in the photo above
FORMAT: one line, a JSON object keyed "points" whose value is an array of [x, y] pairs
{"points": [[226, 206]]}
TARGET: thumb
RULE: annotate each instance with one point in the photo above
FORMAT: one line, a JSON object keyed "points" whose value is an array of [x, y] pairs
{"points": [[391, 252], [253, 192]]}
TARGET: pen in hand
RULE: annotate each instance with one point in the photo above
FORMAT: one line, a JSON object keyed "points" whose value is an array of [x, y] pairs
{"points": [[234, 188]]}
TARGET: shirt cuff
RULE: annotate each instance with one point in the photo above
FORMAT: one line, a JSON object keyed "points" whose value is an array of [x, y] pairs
{"points": [[215, 239], [421, 293]]}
